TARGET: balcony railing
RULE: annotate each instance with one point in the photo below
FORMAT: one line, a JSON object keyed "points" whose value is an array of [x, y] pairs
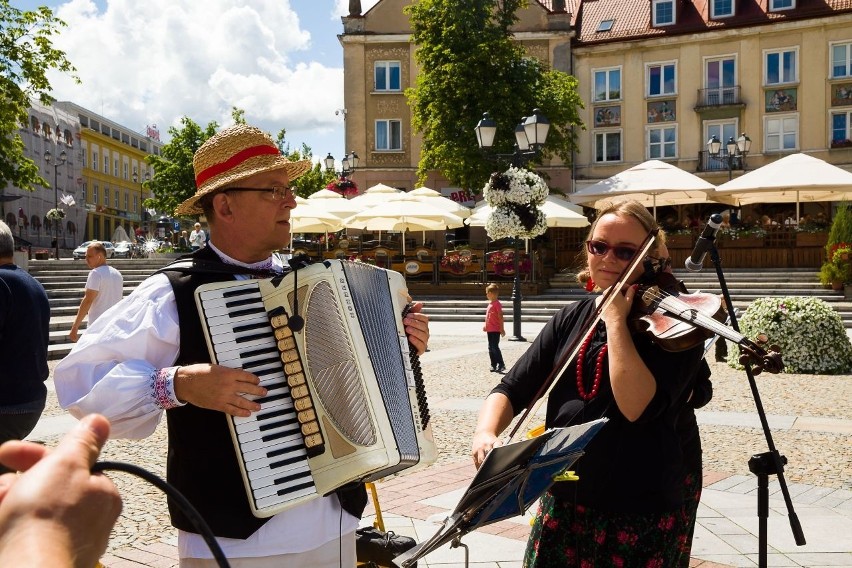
{"points": [[719, 96], [707, 163]]}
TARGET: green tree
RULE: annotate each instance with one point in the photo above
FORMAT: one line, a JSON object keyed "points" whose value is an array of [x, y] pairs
{"points": [[314, 179], [26, 54], [174, 179], [469, 64]]}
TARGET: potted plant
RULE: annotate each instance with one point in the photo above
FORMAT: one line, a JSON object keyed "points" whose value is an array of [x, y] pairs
{"points": [[833, 274]]}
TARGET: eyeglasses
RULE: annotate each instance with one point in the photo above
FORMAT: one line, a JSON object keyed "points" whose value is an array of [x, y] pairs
{"points": [[277, 192], [600, 248]]}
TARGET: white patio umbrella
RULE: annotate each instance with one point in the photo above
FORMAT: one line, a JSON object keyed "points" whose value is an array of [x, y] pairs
{"points": [[307, 218], [652, 183], [401, 214], [374, 195], [432, 197], [334, 203], [557, 211], [791, 179]]}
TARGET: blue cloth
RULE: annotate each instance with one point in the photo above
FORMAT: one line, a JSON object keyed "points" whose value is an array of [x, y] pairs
{"points": [[24, 324]]}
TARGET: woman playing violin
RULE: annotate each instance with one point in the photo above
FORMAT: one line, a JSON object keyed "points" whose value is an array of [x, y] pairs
{"points": [[627, 507]]}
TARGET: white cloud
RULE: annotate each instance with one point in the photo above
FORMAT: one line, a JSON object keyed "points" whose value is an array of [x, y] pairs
{"points": [[153, 62]]}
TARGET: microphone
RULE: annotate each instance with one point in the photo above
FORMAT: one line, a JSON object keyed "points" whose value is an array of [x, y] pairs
{"points": [[695, 262]]}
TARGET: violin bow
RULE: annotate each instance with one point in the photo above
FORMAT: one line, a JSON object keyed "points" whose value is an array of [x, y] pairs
{"points": [[591, 321]]}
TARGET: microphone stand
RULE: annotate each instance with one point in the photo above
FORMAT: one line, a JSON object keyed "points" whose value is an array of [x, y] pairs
{"points": [[768, 463]]}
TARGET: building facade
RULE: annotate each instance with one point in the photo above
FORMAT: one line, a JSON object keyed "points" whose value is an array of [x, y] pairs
{"points": [[96, 171], [660, 78], [113, 172], [379, 64]]}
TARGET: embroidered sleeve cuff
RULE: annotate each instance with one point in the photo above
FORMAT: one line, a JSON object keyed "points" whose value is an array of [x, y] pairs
{"points": [[163, 388]]}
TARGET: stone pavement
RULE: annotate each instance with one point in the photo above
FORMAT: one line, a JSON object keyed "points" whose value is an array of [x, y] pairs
{"points": [[727, 531]]}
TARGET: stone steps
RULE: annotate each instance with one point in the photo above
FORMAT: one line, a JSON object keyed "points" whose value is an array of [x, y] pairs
{"points": [[64, 281]]}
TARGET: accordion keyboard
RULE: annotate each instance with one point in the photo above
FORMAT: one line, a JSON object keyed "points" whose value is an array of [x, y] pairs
{"points": [[270, 440]]}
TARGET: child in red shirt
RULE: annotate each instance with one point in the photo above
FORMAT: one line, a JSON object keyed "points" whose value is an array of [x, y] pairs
{"points": [[494, 328]]}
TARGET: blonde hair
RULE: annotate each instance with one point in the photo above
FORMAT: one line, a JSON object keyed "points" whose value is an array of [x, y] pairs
{"points": [[493, 288], [632, 209]]}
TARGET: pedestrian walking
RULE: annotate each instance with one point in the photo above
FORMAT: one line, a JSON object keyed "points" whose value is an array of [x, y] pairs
{"points": [[197, 238], [24, 336], [494, 328], [104, 288]]}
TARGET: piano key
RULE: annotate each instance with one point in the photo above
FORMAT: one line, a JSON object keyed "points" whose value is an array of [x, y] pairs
{"points": [[274, 500], [254, 434], [264, 478], [285, 446], [279, 464]]}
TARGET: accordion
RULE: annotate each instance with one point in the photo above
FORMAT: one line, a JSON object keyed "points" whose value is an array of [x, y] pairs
{"points": [[345, 397]]}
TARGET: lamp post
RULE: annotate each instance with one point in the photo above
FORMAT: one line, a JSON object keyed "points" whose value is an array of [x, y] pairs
{"points": [[738, 148], [348, 164], [530, 136], [56, 222], [141, 187]]}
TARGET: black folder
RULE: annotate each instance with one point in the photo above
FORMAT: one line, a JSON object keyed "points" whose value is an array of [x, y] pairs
{"points": [[509, 481]]}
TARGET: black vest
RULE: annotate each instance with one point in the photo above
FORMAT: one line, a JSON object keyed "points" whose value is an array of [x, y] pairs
{"points": [[202, 462]]}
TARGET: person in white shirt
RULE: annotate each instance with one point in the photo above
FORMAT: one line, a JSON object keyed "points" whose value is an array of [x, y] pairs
{"points": [[104, 288], [149, 356], [197, 238]]}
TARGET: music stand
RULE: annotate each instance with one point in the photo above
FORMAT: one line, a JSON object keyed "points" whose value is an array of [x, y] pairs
{"points": [[509, 481]]}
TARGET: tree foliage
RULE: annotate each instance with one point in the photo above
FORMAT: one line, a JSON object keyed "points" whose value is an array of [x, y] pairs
{"points": [[26, 54], [314, 179], [174, 178], [469, 65]]}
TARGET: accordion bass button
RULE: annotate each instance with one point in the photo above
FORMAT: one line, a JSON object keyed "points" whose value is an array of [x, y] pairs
{"points": [[279, 322], [310, 428], [289, 356], [296, 379], [303, 403], [286, 344], [300, 391], [313, 441], [293, 368], [307, 416]]}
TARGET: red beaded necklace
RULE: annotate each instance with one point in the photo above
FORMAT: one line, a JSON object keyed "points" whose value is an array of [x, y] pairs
{"points": [[581, 356]]}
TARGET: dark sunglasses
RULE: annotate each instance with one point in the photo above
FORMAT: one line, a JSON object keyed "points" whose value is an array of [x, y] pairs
{"points": [[600, 248]]}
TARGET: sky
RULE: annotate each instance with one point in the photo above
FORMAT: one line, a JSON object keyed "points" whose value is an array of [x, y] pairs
{"points": [[153, 62]]}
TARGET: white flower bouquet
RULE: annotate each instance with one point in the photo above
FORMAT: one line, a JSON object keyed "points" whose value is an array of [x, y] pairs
{"points": [[55, 214], [810, 334], [514, 196]]}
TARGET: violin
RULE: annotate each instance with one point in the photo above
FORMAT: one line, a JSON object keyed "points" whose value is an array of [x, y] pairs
{"points": [[678, 320]]}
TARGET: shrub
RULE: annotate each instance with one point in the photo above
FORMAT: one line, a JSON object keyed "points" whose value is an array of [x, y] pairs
{"points": [[841, 227], [810, 334]]}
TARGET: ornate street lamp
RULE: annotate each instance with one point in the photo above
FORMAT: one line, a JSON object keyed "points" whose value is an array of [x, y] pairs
{"points": [[530, 136], [141, 187], [348, 165], [56, 222], [736, 149]]}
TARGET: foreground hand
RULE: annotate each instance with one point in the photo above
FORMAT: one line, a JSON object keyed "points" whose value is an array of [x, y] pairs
{"points": [[218, 388], [482, 443], [417, 327], [74, 336], [57, 513]]}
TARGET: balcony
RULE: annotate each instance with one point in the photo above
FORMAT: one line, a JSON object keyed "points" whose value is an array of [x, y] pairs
{"points": [[707, 163], [719, 97]]}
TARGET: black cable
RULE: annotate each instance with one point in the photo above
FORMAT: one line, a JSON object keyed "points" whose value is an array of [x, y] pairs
{"points": [[197, 521]]}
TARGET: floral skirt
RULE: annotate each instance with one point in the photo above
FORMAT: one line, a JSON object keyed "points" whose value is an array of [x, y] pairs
{"points": [[573, 536], [691, 497]]}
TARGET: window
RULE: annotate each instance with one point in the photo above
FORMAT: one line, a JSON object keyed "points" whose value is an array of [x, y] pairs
{"points": [[388, 135], [135, 203], [781, 67], [605, 25], [782, 133], [663, 12], [608, 146], [126, 201], [607, 84], [115, 167], [95, 160], [117, 200], [841, 60], [106, 164], [720, 81], [721, 8], [95, 195], [841, 123], [126, 169], [387, 76], [662, 142], [777, 5], [106, 197], [661, 79]]}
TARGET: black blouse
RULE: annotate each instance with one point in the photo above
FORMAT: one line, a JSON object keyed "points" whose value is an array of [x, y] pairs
{"points": [[629, 466]]}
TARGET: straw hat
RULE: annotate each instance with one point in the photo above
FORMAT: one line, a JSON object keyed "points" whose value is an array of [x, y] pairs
{"points": [[231, 155]]}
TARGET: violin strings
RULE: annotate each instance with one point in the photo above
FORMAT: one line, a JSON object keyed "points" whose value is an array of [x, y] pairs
{"points": [[679, 307]]}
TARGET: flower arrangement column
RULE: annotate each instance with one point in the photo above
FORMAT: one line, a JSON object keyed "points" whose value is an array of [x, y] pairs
{"points": [[514, 196]]}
